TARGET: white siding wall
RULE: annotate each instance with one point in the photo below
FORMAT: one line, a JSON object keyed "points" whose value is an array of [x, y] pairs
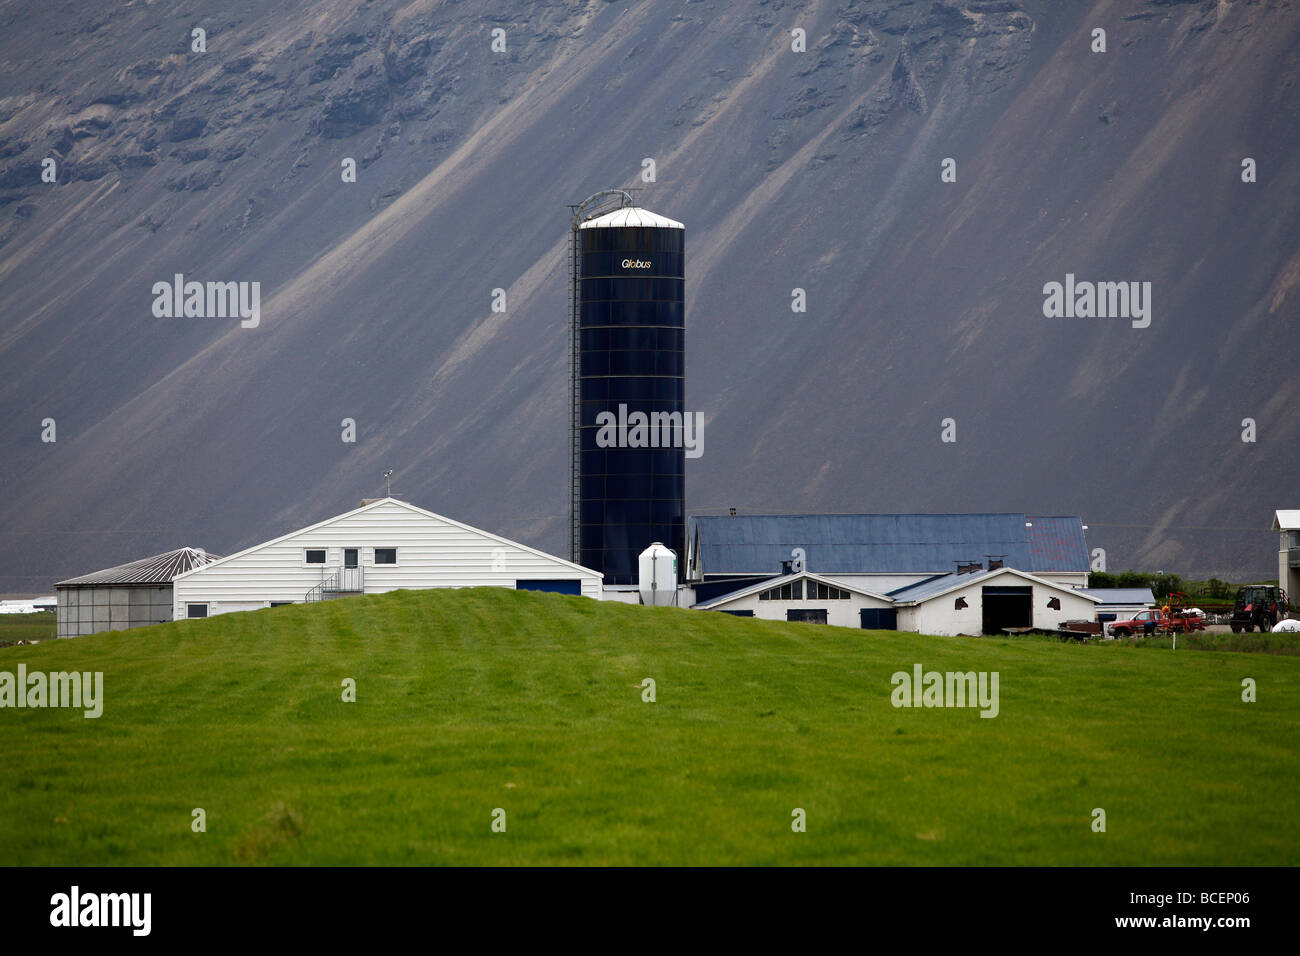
{"points": [[880, 583], [1070, 579], [839, 613], [620, 594], [1073, 608], [1288, 578], [939, 616], [430, 553], [1122, 612]]}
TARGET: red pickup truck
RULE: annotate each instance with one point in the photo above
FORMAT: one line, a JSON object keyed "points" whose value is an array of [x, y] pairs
{"points": [[1157, 621]]}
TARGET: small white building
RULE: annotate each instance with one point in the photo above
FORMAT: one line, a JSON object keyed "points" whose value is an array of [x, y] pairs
{"points": [[987, 602], [809, 597], [30, 606], [384, 545], [1288, 555]]}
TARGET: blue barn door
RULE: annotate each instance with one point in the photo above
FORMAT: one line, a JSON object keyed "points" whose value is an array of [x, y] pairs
{"points": [[879, 618]]}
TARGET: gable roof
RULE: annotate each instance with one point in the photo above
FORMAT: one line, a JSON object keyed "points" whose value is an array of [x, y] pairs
{"points": [[379, 503], [1286, 520], [155, 570], [944, 583], [784, 579], [1121, 595], [881, 543]]}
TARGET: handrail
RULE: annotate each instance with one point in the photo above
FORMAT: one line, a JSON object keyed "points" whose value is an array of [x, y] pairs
{"points": [[342, 581]]}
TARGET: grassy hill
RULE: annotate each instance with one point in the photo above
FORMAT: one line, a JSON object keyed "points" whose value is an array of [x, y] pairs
{"points": [[472, 700]]}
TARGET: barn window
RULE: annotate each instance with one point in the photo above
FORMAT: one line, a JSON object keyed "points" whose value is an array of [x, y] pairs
{"points": [[808, 615], [385, 555], [825, 592], [196, 610], [792, 591], [315, 556], [1054, 603]]}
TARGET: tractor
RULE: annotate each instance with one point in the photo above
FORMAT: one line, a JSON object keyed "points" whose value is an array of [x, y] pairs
{"points": [[1258, 606]]}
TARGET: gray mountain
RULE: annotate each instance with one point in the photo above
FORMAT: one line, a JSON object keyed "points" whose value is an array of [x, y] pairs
{"points": [[817, 170]]}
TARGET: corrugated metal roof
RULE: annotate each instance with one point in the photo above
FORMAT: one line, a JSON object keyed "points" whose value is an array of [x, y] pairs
{"points": [[1286, 520], [159, 569], [1121, 595], [631, 216], [1056, 544], [923, 590], [903, 543]]}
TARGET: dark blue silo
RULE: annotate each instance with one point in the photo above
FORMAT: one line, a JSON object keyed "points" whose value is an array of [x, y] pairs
{"points": [[631, 359]]}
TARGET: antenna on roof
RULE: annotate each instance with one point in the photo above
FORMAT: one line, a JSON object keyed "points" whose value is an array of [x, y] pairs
{"points": [[388, 482]]}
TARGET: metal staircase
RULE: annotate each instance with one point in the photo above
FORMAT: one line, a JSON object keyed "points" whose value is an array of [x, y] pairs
{"points": [[344, 582]]}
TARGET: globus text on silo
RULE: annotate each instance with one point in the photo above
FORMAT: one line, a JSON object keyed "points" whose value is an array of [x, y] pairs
{"points": [[652, 430]]}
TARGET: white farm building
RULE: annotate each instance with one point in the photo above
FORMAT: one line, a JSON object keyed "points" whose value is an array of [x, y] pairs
{"points": [[989, 602], [970, 603], [886, 571], [384, 545], [807, 597]]}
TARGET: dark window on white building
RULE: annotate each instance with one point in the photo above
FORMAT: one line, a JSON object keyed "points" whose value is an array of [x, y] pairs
{"points": [[791, 591], [825, 592]]}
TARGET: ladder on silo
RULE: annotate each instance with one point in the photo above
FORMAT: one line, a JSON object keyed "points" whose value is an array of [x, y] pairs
{"points": [[589, 207]]}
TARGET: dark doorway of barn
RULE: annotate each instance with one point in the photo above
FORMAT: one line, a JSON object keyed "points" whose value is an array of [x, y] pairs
{"points": [[879, 618], [1007, 607], [809, 615]]}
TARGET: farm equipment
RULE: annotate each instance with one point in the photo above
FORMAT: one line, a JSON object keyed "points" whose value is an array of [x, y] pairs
{"points": [[1175, 617], [1258, 606], [1179, 616]]}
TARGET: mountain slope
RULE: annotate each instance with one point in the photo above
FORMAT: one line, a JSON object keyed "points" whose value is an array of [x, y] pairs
{"points": [[816, 170]]}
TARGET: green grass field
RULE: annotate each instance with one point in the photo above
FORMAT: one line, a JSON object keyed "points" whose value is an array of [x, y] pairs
{"points": [[473, 700], [27, 627]]}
